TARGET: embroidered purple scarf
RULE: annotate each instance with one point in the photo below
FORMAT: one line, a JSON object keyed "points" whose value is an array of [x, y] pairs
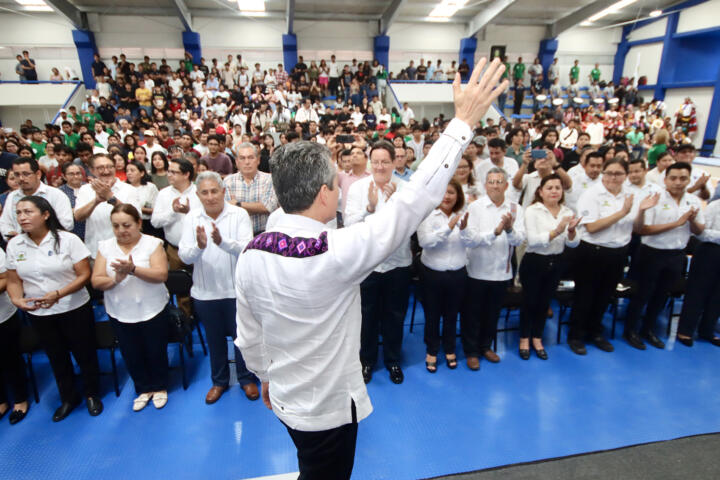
{"points": [[294, 247]]}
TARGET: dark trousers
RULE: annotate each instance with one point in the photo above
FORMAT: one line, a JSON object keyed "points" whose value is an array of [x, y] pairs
{"points": [[384, 300], [478, 322], [656, 272], [218, 318], [327, 454], [597, 273], [702, 297], [63, 333], [539, 275], [443, 294], [12, 365], [144, 350]]}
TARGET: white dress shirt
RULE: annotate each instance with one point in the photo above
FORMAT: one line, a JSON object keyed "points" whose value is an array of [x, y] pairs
{"points": [[568, 137], [146, 197], [306, 115], [712, 223], [97, 225], [443, 249], [667, 211], [656, 177], [214, 266], [44, 268], [596, 132], [539, 222], [599, 203], [356, 211], [489, 256], [55, 197], [133, 300], [7, 309], [299, 318], [581, 183], [169, 220], [484, 166], [275, 216]]}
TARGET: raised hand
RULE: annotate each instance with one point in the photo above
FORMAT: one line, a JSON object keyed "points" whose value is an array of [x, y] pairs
{"points": [[472, 103], [454, 221], [649, 202], [702, 181], [217, 238], [180, 207], [464, 221], [201, 237], [102, 190], [686, 217], [627, 204], [372, 197], [508, 219], [388, 189], [574, 222], [564, 222]]}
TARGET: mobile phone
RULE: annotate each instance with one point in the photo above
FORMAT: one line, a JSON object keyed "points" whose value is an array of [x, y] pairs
{"points": [[538, 153], [345, 139]]}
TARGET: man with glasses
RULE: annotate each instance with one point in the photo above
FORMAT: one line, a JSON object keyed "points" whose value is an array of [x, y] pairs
{"points": [[96, 199], [384, 294], [28, 176]]}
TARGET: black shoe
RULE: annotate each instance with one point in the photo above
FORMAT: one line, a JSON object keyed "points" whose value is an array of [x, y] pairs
{"points": [[64, 410], [715, 341], [634, 340], [451, 363], [396, 374], [653, 340], [524, 353], [94, 406], [17, 415], [577, 347], [602, 343], [367, 373], [688, 342], [541, 354]]}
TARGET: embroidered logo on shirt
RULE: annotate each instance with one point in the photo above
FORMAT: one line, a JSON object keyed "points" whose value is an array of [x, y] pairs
{"points": [[21, 257], [294, 247]]}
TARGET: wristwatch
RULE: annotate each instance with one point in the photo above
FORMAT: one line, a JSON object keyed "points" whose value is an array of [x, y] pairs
{"points": [[112, 201]]}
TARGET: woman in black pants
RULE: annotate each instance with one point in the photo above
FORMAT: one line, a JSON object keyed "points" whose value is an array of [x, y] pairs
{"points": [[47, 272], [443, 274], [550, 227], [12, 365]]}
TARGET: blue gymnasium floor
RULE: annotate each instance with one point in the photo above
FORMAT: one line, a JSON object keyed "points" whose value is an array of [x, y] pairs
{"points": [[449, 422]]}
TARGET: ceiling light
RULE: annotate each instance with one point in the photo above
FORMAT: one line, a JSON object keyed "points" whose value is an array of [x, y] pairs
{"points": [[447, 8], [34, 5], [586, 24], [251, 5], [614, 8], [656, 13]]}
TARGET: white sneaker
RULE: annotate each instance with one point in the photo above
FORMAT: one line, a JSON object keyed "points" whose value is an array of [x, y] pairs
{"points": [[160, 399], [141, 402]]}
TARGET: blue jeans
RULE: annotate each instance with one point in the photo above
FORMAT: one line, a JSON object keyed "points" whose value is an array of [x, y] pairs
{"points": [[218, 318], [502, 98]]}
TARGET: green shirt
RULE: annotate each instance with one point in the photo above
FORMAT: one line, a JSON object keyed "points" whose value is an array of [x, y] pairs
{"points": [[38, 148], [634, 137], [90, 119], [188, 66], [72, 140], [518, 71], [517, 156], [595, 74], [654, 153], [506, 73], [575, 72]]}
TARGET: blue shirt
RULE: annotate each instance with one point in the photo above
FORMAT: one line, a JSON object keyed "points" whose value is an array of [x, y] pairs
{"points": [[403, 176]]}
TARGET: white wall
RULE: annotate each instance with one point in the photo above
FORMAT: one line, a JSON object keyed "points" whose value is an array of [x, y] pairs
{"points": [[701, 97], [700, 16], [644, 60], [655, 29], [589, 46]]}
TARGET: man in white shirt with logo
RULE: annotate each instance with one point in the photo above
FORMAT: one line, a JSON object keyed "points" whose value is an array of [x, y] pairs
{"points": [[96, 199], [665, 224], [28, 176], [298, 286], [584, 178]]}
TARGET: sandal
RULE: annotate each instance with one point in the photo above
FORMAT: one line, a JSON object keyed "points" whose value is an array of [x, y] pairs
{"points": [[160, 399], [431, 366], [451, 362], [141, 401]]}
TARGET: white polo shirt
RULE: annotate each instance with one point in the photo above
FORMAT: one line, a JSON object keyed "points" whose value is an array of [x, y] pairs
{"points": [[214, 266], [7, 309], [597, 203], [667, 211], [44, 268], [97, 225], [133, 300], [55, 197]]}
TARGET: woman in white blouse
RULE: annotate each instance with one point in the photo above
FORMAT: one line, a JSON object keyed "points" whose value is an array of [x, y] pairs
{"points": [[47, 272], [137, 176], [131, 269], [443, 274], [465, 176], [550, 227]]}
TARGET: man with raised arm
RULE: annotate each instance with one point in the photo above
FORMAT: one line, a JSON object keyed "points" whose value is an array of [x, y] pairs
{"points": [[298, 286]]}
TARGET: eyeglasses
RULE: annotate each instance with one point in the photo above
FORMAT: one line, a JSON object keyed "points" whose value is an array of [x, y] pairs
{"points": [[495, 182], [615, 174], [104, 168], [385, 163]]}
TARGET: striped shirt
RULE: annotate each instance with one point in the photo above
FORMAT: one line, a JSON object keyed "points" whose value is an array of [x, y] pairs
{"points": [[259, 190]]}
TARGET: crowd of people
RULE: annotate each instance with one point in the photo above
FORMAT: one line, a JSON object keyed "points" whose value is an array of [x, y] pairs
{"points": [[164, 169]]}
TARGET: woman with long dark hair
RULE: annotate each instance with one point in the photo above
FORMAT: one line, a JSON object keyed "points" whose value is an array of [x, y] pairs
{"points": [[47, 272], [158, 170], [550, 227], [138, 177]]}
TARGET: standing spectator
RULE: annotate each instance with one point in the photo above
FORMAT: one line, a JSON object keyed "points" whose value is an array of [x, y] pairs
{"points": [[147, 192], [28, 66], [216, 160], [73, 176], [519, 70], [19, 68], [518, 96], [51, 290], [575, 72], [131, 269], [213, 237], [250, 188]]}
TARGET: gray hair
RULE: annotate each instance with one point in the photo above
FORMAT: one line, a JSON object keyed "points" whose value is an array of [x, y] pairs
{"points": [[299, 170], [209, 175], [247, 145], [497, 170]]}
